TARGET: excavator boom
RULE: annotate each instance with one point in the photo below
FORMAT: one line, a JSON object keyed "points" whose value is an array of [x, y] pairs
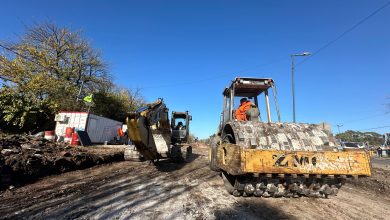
{"points": [[149, 130]]}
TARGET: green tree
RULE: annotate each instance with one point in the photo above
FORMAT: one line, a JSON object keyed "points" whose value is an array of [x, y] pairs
{"points": [[43, 73], [116, 103], [372, 138]]}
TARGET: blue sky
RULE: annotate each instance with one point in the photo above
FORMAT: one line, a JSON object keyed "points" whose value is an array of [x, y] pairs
{"points": [[188, 51]]}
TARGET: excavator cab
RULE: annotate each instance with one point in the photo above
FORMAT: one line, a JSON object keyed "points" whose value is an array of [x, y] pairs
{"points": [[180, 125]]}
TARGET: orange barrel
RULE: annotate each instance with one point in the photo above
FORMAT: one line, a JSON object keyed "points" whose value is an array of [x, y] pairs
{"points": [[75, 139], [49, 135], [68, 134]]}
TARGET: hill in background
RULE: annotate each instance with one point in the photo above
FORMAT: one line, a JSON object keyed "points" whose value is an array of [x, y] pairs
{"points": [[372, 138]]}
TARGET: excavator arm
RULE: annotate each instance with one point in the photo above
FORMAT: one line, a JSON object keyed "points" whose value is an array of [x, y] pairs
{"points": [[149, 130]]}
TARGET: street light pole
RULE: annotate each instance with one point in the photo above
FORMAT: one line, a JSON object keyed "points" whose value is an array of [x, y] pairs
{"points": [[292, 79], [338, 127]]}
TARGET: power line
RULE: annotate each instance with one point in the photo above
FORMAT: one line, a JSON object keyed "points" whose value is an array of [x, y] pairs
{"points": [[368, 117], [386, 126], [182, 83], [159, 86], [346, 32], [313, 54], [215, 77]]}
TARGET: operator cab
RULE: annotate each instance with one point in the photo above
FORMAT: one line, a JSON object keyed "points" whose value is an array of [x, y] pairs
{"points": [[250, 88], [180, 123]]}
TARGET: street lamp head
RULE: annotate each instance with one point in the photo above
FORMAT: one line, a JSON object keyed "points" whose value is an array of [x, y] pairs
{"points": [[302, 54]]}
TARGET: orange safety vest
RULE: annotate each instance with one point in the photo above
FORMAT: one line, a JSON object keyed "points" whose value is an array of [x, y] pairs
{"points": [[120, 132], [241, 111]]}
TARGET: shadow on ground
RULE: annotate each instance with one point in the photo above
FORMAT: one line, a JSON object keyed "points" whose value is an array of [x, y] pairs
{"points": [[131, 189], [171, 165], [251, 210]]}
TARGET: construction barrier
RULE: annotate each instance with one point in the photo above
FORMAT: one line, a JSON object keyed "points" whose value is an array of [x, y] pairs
{"points": [[68, 134], [75, 139], [49, 135]]}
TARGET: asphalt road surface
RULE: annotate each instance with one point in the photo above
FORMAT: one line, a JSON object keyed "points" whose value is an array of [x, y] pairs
{"points": [[381, 162]]}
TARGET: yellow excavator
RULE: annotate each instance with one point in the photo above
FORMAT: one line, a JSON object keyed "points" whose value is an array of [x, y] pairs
{"points": [[154, 137], [275, 159]]}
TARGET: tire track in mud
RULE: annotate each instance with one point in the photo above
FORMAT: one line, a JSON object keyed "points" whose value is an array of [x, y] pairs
{"points": [[174, 191]]}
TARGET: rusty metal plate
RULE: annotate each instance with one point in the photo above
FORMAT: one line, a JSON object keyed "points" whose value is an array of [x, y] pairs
{"points": [[303, 162]]}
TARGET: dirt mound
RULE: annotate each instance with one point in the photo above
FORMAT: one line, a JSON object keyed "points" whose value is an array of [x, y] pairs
{"points": [[379, 182], [26, 158]]}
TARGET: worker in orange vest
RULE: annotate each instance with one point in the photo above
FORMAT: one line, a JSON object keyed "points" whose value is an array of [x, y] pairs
{"points": [[240, 113], [121, 135], [120, 132]]}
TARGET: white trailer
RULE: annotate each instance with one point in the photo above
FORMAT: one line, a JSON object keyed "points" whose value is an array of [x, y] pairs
{"points": [[99, 129]]}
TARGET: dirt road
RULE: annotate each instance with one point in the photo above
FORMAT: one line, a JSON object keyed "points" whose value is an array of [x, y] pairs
{"points": [[131, 190], [381, 162]]}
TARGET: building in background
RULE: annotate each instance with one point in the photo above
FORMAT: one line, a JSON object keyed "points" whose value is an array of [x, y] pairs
{"points": [[99, 129]]}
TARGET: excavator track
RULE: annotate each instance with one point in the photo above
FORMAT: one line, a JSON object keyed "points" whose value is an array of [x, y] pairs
{"points": [[290, 186]]}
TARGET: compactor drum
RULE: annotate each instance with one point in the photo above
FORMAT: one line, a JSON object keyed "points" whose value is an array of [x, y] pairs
{"points": [[274, 159]]}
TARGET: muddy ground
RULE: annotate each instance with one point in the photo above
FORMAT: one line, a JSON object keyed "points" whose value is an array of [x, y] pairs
{"points": [[24, 158], [139, 190]]}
